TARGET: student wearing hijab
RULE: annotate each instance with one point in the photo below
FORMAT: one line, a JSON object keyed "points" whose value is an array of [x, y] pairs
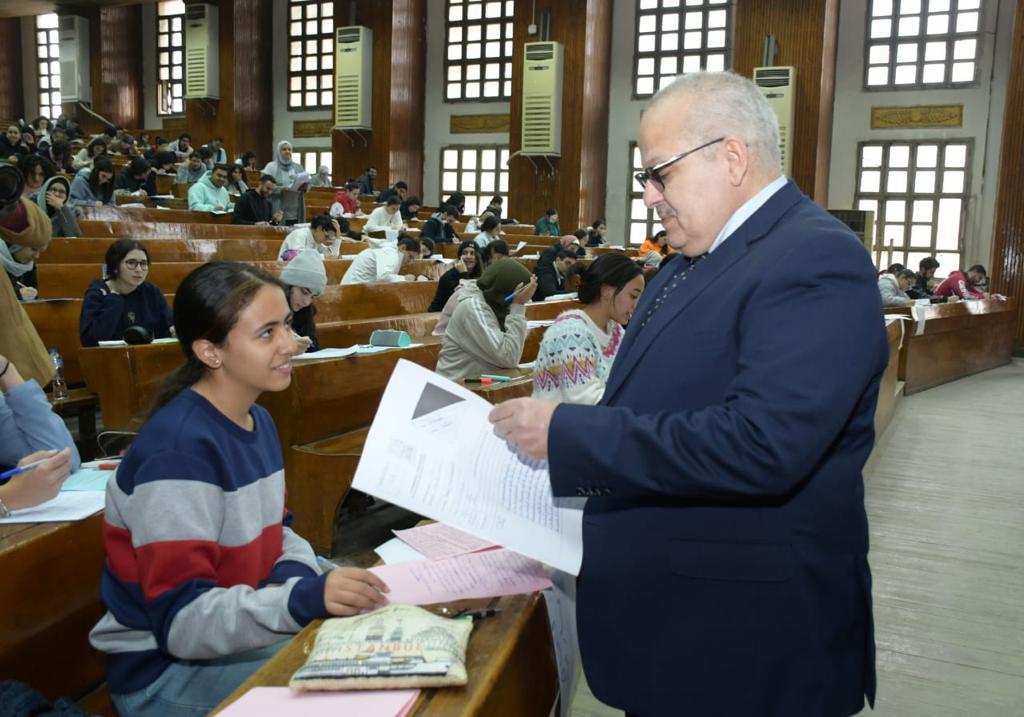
{"points": [[53, 199], [322, 178], [305, 278], [284, 171], [487, 330], [468, 266]]}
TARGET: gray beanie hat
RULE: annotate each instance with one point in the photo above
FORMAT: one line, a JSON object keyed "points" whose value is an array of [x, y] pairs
{"points": [[306, 269]]}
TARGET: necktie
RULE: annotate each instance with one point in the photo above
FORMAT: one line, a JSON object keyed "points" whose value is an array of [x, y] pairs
{"points": [[681, 272]]}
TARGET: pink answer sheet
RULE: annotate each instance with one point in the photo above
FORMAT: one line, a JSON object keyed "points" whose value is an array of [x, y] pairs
{"points": [[277, 701], [438, 541], [491, 573]]}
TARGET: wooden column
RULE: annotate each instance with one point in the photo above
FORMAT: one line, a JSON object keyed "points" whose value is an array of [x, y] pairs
{"points": [[806, 32], [243, 115], [574, 183], [395, 144], [1008, 240], [116, 70], [12, 90]]}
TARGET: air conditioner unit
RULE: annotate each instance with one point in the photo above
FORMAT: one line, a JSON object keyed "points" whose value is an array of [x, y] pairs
{"points": [[353, 77], [75, 85], [778, 84], [202, 60], [542, 98]]}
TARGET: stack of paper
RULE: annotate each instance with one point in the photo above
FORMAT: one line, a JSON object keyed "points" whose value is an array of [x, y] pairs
{"points": [[438, 541]]}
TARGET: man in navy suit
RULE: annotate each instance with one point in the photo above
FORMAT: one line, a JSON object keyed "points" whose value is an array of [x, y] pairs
{"points": [[725, 539]]}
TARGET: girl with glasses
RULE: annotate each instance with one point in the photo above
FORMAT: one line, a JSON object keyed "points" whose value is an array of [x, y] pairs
{"points": [[124, 298]]}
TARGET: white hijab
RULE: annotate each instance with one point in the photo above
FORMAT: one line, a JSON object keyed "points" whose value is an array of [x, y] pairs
{"points": [[12, 267]]}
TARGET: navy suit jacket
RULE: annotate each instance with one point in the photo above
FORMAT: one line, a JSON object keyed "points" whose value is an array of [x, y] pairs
{"points": [[725, 543]]}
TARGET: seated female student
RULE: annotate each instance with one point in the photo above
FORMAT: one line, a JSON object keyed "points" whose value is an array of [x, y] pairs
{"points": [[88, 155], [36, 171], [385, 217], [322, 234], [490, 230], [409, 208], [487, 330], [577, 351], [29, 429], [236, 180], [657, 244], [94, 187], [52, 198], [124, 298], [204, 578], [20, 264], [596, 233], [304, 279], [468, 266]]}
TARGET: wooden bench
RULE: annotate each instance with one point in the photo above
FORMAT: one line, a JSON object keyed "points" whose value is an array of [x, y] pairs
{"points": [[118, 228], [510, 661], [890, 390], [49, 601], [177, 216], [959, 340]]}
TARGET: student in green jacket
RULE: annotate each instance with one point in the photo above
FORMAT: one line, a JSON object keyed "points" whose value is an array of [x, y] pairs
{"points": [[547, 225], [210, 193]]}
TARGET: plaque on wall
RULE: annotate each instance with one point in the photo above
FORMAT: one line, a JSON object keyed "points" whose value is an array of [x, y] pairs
{"points": [[917, 117], [479, 124], [312, 128]]}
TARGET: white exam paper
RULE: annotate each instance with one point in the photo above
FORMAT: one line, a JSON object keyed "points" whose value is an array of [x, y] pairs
{"points": [[73, 505], [432, 450]]}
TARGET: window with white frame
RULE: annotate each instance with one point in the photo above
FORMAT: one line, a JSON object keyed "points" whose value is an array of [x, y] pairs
{"points": [[918, 192], [312, 159], [170, 57], [674, 37], [48, 62], [914, 44], [641, 222], [310, 54], [478, 50], [478, 172]]}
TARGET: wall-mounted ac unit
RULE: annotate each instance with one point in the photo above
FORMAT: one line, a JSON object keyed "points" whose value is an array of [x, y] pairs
{"points": [[202, 59], [75, 84], [778, 84], [542, 98], [353, 77]]}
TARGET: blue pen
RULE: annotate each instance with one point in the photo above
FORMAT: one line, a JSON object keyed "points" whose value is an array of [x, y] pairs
{"points": [[515, 293], [16, 471]]}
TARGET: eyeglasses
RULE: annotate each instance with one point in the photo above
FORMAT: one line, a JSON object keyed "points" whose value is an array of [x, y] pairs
{"points": [[653, 173], [136, 263]]}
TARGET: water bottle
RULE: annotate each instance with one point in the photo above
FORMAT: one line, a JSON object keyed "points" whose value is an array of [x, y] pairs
{"points": [[60, 387]]}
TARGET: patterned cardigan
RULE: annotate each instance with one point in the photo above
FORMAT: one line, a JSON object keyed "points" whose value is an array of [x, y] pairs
{"points": [[575, 358]]}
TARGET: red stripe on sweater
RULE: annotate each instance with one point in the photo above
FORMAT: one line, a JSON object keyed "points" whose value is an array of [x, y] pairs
{"points": [[165, 565]]}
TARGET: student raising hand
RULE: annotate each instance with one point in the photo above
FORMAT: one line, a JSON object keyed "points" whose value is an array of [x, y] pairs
{"points": [[39, 484], [348, 591]]}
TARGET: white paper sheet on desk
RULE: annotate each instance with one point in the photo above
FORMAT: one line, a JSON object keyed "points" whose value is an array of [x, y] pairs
{"points": [[432, 450], [395, 551], [518, 248], [73, 505], [539, 323], [561, 297], [492, 573], [326, 354]]}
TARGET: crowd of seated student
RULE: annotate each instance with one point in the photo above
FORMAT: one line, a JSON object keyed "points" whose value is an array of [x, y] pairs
{"points": [[383, 261], [893, 286], [547, 225], [467, 266], [94, 187], [188, 620], [210, 193], [254, 207], [323, 235], [578, 349], [385, 217], [124, 298], [487, 329], [304, 278], [291, 202], [552, 276]]}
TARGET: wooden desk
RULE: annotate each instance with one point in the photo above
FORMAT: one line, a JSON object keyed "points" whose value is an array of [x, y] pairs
{"points": [[92, 250], [178, 216], [510, 661], [958, 340], [889, 390], [49, 601], [117, 227]]}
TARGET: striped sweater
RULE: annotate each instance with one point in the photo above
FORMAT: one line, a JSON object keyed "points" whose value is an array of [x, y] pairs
{"points": [[575, 358], [201, 561]]}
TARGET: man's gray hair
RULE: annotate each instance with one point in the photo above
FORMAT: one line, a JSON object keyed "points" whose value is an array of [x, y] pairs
{"points": [[724, 103]]}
